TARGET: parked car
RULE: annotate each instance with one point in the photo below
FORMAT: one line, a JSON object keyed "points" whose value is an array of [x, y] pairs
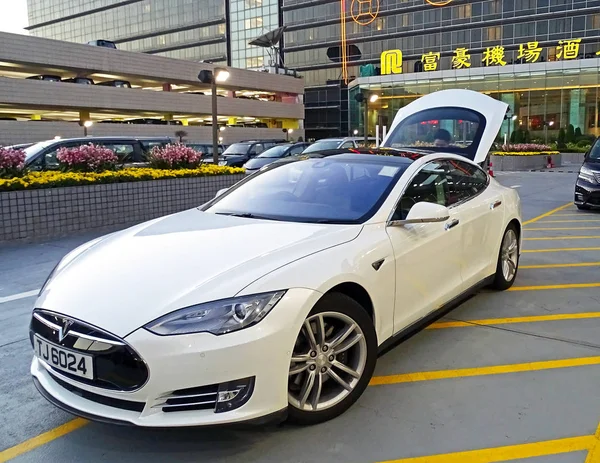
{"points": [[103, 43], [237, 154], [273, 154], [320, 264], [80, 80], [206, 149], [46, 77], [587, 187], [332, 143], [115, 83], [42, 155]]}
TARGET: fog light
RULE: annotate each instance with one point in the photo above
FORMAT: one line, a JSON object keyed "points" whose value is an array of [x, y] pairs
{"points": [[234, 394]]}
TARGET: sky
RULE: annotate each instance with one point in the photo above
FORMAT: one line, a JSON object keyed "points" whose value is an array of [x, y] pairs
{"points": [[13, 16]]}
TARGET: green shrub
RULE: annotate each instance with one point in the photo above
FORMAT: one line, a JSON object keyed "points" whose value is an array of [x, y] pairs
{"points": [[570, 137]]}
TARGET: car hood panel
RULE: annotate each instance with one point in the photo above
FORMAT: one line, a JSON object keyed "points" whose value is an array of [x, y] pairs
{"points": [[141, 273]]}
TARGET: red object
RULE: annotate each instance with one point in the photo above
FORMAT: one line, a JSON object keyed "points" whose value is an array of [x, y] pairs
{"points": [[491, 169], [550, 163]]}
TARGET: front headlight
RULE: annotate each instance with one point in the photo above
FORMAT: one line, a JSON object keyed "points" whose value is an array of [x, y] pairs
{"points": [[222, 163], [587, 174], [218, 317]]}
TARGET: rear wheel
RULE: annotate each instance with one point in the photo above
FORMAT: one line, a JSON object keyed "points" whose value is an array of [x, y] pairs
{"points": [[333, 360], [508, 260]]}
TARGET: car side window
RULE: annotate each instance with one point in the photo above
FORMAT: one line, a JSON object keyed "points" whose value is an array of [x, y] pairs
{"points": [[124, 151], [296, 150], [430, 185], [464, 180], [256, 149], [348, 144]]}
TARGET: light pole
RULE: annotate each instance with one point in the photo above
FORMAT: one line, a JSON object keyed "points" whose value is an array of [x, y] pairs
{"points": [[86, 125], [546, 125], [212, 77], [362, 98]]}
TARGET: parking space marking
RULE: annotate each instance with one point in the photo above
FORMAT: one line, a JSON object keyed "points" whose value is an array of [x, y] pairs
{"points": [[547, 214], [593, 455], [35, 442], [483, 371], [564, 237], [561, 228], [14, 297], [509, 452], [510, 320], [578, 264], [570, 221], [547, 287], [561, 249]]}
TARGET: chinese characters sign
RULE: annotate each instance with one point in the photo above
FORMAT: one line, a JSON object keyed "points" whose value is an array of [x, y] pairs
{"points": [[531, 52]]}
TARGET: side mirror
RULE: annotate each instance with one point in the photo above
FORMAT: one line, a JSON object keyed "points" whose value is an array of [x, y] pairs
{"points": [[221, 191], [424, 212]]}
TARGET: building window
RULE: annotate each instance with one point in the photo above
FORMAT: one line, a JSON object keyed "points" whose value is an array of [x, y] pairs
{"points": [[253, 3], [492, 33], [596, 21], [463, 11], [380, 24], [253, 23], [254, 62]]}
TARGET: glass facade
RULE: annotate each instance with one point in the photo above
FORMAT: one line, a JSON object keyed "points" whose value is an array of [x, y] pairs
{"points": [[187, 29], [250, 19], [544, 97]]}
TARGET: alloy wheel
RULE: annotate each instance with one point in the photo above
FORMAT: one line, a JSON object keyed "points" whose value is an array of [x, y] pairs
{"points": [[509, 255], [328, 361]]}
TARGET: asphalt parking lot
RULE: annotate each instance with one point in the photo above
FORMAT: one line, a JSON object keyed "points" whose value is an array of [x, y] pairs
{"points": [[510, 376]]}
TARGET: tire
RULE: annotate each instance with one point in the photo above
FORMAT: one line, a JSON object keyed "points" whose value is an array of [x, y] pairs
{"points": [[504, 279], [340, 315], [583, 207]]}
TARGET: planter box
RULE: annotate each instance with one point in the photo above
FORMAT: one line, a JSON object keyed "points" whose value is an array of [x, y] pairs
{"points": [[48, 213], [519, 163]]}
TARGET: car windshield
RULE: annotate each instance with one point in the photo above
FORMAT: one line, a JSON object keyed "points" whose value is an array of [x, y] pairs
{"points": [[35, 149], [595, 151], [457, 130], [326, 190], [275, 152], [237, 148], [322, 146]]}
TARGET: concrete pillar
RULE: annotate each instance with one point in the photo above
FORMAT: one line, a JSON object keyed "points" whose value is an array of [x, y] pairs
{"points": [[577, 108]]}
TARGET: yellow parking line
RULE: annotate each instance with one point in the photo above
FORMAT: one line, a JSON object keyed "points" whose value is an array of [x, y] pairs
{"points": [[42, 439], [569, 221], [562, 249], [510, 320], [547, 214], [561, 228], [593, 455], [576, 214], [545, 287], [483, 371], [578, 264], [565, 237], [509, 452]]}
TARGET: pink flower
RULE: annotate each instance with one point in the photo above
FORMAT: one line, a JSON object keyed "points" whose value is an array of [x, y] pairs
{"points": [[520, 147], [87, 158], [174, 156], [12, 162]]}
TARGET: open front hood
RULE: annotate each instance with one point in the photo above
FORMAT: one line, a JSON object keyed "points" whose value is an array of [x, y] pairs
{"points": [[132, 277], [490, 110]]}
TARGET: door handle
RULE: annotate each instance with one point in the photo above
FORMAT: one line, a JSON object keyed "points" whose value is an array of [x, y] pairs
{"points": [[452, 224], [495, 204]]}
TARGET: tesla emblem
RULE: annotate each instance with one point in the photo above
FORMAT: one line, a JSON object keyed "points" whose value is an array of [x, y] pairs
{"points": [[63, 330], [439, 2]]}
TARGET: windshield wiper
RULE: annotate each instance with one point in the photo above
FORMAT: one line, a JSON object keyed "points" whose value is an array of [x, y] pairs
{"points": [[245, 215]]}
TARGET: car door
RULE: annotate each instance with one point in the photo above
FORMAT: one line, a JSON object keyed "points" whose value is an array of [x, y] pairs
{"points": [[481, 214], [427, 255]]}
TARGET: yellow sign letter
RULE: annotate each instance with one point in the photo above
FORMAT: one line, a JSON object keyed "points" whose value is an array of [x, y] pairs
{"points": [[531, 54], [494, 55], [391, 62], [430, 61], [461, 58], [568, 49]]}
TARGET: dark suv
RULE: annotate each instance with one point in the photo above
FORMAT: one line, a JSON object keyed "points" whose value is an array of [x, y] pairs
{"points": [[42, 155], [587, 188], [237, 154]]}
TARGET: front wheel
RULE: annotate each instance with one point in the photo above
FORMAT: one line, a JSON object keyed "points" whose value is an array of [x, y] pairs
{"points": [[508, 260], [333, 360]]}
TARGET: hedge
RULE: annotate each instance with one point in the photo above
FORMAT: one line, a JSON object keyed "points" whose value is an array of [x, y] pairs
{"points": [[53, 179]]}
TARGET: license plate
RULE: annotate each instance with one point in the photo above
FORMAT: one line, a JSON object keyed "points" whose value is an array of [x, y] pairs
{"points": [[63, 359]]}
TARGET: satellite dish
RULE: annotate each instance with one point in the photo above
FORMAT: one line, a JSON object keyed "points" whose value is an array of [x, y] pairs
{"points": [[270, 39]]}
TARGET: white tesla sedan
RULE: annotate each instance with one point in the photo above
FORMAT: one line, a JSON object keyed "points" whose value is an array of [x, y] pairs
{"points": [[276, 297]]}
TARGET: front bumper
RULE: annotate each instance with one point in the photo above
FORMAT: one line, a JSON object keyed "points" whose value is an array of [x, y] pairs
{"points": [[587, 193], [191, 361]]}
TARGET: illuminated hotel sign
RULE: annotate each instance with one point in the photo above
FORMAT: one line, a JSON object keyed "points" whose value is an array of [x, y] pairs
{"points": [[439, 2], [530, 52]]}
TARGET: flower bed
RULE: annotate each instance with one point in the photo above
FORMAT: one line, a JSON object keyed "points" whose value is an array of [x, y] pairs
{"points": [[53, 179], [11, 162], [525, 149]]}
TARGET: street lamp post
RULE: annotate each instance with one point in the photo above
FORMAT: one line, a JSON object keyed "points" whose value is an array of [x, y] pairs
{"points": [[212, 77], [362, 98], [86, 125]]}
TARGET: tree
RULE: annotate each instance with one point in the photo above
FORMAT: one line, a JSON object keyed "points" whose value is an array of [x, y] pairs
{"points": [[578, 133], [526, 136], [561, 138], [181, 134], [570, 134], [513, 136]]}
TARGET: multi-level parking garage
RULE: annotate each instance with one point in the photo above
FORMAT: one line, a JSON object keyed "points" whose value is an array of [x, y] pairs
{"points": [[163, 91]]}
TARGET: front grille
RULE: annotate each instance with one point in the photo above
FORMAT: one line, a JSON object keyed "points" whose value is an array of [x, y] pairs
{"points": [[108, 401], [194, 398], [116, 365]]}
